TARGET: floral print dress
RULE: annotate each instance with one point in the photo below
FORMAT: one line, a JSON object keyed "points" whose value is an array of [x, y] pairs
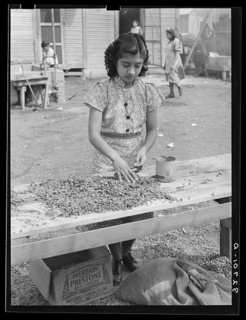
{"points": [[124, 113]]}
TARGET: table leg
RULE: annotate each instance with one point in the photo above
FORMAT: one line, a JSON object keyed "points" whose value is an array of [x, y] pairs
{"points": [[225, 238], [46, 95], [225, 231], [206, 72], [224, 75], [22, 97]]}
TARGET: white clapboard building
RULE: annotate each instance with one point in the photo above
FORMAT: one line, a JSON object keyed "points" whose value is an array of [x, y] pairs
{"points": [[82, 35]]}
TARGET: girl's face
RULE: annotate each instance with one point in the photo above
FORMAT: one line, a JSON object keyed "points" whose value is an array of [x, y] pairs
{"points": [[135, 24], [46, 49], [168, 35], [128, 67]]}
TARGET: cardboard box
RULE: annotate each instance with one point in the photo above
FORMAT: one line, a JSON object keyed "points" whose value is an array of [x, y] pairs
{"points": [[74, 279]]}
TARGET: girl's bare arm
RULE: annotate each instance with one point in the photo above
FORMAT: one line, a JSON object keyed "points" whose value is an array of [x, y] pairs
{"points": [[151, 136]]}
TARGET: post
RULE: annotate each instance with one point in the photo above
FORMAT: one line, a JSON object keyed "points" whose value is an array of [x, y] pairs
{"points": [[224, 75], [45, 67], [54, 42], [46, 97], [22, 96]]}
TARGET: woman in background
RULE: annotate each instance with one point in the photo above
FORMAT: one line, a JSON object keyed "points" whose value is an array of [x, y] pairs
{"points": [[173, 66]]}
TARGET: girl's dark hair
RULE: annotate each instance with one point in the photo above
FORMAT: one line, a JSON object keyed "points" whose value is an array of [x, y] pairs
{"points": [[171, 32], [131, 43]]}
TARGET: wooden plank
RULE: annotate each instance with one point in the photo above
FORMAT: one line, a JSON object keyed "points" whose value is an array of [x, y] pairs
{"points": [[191, 191], [189, 187], [91, 239]]}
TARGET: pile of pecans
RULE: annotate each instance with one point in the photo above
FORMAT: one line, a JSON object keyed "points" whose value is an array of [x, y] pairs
{"points": [[77, 196]]}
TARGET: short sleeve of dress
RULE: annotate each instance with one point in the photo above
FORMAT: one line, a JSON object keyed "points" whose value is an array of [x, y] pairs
{"points": [[96, 96], [154, 97], [178, 45]]}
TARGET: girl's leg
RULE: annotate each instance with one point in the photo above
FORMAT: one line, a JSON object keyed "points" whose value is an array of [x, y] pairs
{"points": [[115, 250], [179, 88], [127, 257], [171, 94]]}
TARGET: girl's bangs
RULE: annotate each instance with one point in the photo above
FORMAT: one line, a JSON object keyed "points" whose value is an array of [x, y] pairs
{"points": [[133, 46], [130, 47]]}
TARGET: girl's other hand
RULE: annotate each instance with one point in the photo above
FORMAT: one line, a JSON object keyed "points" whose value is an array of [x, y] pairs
{"points": [[141, 157], [123, 170]]}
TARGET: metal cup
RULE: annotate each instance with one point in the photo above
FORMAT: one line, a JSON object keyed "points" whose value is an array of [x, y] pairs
{"points": [[165, 169]]}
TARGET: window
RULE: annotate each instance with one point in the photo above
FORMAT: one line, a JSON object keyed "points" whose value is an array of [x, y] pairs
{"points": [[47, 30], [46, 15]]}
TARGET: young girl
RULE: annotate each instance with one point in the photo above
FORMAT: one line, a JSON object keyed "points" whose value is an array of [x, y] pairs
{"points": [[120, 106], [173, 65], [48, 55]]}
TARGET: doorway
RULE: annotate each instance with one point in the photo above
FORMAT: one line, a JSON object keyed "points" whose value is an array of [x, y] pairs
{"points": [[127, 16]]}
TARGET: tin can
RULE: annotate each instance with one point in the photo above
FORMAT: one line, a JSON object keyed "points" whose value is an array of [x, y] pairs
{"points": [[165, 169]]}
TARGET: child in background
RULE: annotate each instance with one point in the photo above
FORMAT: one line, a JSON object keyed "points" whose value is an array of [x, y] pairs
{"points": [[48, 55], [136, 28], [120, 106]]}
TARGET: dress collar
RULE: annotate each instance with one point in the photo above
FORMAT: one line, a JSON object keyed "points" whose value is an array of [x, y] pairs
{"points": [[121, 83]]}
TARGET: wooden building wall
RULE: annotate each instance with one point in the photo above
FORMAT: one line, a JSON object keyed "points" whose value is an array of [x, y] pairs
{"points": [[156, 22], [73, 38], [22, 35], [99, 32], [169, 19], [86, 33]]}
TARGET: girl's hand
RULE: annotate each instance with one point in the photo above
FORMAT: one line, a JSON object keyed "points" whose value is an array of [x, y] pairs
{"points": [[123, 170], [141, 157]]}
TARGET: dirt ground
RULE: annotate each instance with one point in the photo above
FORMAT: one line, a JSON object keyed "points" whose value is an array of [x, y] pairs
{"points": [[53, 143]]}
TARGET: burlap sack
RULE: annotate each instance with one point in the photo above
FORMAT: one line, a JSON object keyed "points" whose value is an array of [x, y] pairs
{"points": [[169, 281]]}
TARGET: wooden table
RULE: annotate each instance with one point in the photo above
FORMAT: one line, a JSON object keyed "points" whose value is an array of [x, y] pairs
{"points": [[21, 85], [197, 181]]}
